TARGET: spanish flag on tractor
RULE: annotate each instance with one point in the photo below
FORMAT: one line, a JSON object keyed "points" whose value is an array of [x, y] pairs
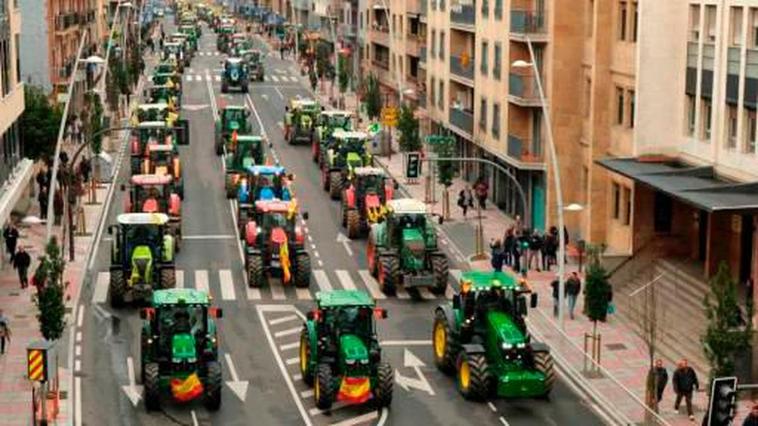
{"points": [[354, 390], [187, 389], [284, 258]]}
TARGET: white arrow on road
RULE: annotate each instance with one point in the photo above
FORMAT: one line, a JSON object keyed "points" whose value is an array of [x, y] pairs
{"points": [[195, 107], [342, 238], [132, 390], [239, 387], [264, 96], [411, 361]]}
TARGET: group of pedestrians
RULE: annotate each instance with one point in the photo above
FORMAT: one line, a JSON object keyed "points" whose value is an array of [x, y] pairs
{"points": [[524, 251], [466, 196], [19, 258], [684, 381]]}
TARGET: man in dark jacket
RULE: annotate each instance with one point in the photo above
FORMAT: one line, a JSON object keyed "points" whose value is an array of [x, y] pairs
{"points": [[661, 379], [752, 418], [10, 233], [21, 262], [573, 288], [556, 289], [685, 382]]}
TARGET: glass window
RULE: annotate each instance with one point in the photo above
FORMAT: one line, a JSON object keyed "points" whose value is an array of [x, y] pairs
{"points": [[627, 206], [619, 105], [706, 119], [616, 200], [710, 20], [483, 114], [498, 10], [731, 118], [442, 45], [432, 92], [635, 21], [694, 22], [485, 48], [496, 120], [434, 43], [736, 26], [690, 115], [586, 105], [589, 24], [441, 96], [485, 8], [632, 101], [497, 59], [622, 20]]}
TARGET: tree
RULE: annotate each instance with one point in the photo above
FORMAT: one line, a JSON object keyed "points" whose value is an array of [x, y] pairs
{"points": [[39, 124], [345, 73], [408, 126], [373, 97], [49, 301], [444, 147], [92, 119], [322, 59], [112, 90], [729, 333], [598, 291]]}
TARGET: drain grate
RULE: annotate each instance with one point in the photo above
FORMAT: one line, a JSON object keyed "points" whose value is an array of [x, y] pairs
{"points": [[14, 293], [615, 346]]}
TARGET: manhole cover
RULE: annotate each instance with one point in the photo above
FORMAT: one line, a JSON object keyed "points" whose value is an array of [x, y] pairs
{"points": [[615, 346]]}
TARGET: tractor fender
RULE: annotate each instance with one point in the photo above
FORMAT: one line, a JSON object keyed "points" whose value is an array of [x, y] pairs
{"points": [[473, 348], [299, 236], [251, 233], [540, 347], [168, 248], [174, 205], [350, 197], [447, 311]]}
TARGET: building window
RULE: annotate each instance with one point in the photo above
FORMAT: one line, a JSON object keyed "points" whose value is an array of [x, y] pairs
{"points": [[433, 4], [434, 43], [622, 20], [616, 200], [706, 119], [432, 92], [754, 29], [442, 45], [635, 21], [18, 57], [485, 8], [483, 115], [710, 21], [441, 96], [442, 5], [627, 206], [498, 10], [736, 26], [496, 120], [751, 130], [631, 95], [5, 68], [731, 127], [690, 115], [694, 22], [619, 105], [498, 60], [485, 48], [587, 103]]}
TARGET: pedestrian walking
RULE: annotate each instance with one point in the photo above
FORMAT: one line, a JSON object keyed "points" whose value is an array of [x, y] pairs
{"points": [[465, 200], [281, 50], [5, 332], [21, 263], [10, 234], [85, 169], [496, 255], [78, 129], [509, 243], [555, 284], [42, 179], [684, 382], [42, 198], [752, 418], [481, 188], [661, 379], [573, 288], [535, 249], [58, 207]]}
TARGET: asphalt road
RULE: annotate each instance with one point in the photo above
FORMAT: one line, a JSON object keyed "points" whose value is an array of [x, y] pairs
{"points": [[256, 333]]}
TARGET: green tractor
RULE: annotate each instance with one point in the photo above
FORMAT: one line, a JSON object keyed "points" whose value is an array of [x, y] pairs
{"points": [[192, 35], [340, 355], [346, 152], [165, 67], [235, 75], [173, 52], [179, 349], [184, 40], [482, 337], [246, 151], [254, 63], [142, 257], [240, 43], [223, 41], [403, 249], [328, 122], [232, 119], [300, 120]]}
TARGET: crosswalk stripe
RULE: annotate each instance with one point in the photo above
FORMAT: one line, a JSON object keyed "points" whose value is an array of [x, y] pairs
{"points": [[274, 78], [179, 278], [289, 346], [277, 291], [101, 288], [345, 279], [188, 78], [285, 318], [201, 280], [266, 78], [322, 280], [227, 284], [426, 294], [287, 332], [303, 294], [253, 293], [218, 78], [371, 284]]}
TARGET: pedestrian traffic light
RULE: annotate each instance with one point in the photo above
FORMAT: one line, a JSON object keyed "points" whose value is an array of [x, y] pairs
{"points": [[723, 401], [413, 165]]}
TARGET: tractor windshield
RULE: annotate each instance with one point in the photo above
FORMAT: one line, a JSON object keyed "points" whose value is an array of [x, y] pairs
{"points": [[142, 235], [237, 115], [353, 145], [233, 66], [178, 319], [341, 121], [152, 114], [150, 198], [371, 183], [354, 320]]}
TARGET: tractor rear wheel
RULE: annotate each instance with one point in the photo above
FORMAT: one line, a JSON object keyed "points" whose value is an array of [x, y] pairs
{"points": [[385, 377], [229, 186], [151, 374], [302, 270], [444, 343], [305, 357], [388, 273], [255, 270], [474, 379], [440, 270], [168, 278], [335, 185], [213, 384], [323, 389], [117, 288], [543, 362], [353, 223]]}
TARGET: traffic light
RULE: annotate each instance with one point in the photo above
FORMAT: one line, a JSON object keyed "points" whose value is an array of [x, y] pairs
{"points": [[723, 401], [413, 166]]}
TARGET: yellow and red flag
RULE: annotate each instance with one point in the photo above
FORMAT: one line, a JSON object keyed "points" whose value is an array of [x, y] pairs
{"points": [[284, 258], [187, 389], [354, 390]]}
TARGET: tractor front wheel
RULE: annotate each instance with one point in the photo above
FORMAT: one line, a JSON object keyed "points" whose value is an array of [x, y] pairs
{"points": [[323, 389], [443, 343], [353, 223], [305, 357], [117, 288], [335, 185], [255, 270], [213, 384], [543, 362], [474, 379], [388, 273], [230, 189], [168, 278], [302, 270], [151, 374], [385, 377], [440, 270]]}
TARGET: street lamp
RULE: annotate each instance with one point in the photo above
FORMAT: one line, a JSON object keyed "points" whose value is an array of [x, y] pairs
{"points": [[521, 64]]}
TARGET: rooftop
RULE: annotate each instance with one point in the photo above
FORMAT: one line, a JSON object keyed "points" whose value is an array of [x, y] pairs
{"points": [[174, 296], [407, 206], [142, 219], [338, 298]]}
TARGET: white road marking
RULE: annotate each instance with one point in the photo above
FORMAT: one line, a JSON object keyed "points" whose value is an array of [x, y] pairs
{"points": [[253, 294], [279, 92], [78, 336], [297, 377], [292, 361], [303, 293], [426, 294], [371, 284], [188, 78], [401, 293], [179, 278], [100, 295], [286, 318], [80, 316], [194, 418], [492, 406], [322, 280], [274, 78], [320, 263], [277, 291], [289, 346], [503, 421], [405, 342], [345, 279], [78, 401], [227, 284], [358, 420], [337, 405], [306, 393], [315, 252], [201, 280], [78, 365], [287, 332]]}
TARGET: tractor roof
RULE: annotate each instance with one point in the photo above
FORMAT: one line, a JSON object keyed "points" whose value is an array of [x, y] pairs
{"points": [[368, 171], [151, 179], [349, 134], [485, 280], [273, 206], [407, 206], [343, 298], [176, 296], [302, 102], [234, 60], [178, 35], [152, 125], [336, 112], [249, 138], [159, 105], [266, 170], [142, 219], [154, 147], [234, 107], [171, 44], [239, 35]]}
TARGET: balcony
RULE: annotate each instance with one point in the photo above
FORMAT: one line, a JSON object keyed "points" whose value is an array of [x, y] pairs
{"points": [[520, 149], [413, 43], [528, 23], [464, 72], [422, 55], [380, 34], [463, 120], [522, 90], [463, 17], [66, 22]]}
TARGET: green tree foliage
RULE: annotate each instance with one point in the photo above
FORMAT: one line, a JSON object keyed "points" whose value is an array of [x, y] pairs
{"points": [[322, 59], [408, 126], [729, 333], [39, 124], [373, 97], [92, 117], [444, 147], [345, 73], [49, 301], [598, 292]]}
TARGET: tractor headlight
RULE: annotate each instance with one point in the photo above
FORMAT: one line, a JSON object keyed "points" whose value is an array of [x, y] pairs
{"points": [[149, 341], [521, 345], [364, 361], [350, 361], [192, 360], [507, 346]]}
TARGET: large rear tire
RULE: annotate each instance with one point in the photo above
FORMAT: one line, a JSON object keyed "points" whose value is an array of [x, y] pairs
{"points": [[151, 374], [440, 270], [389, 267], [474, 379], [323, 392], [168, 278], [255, 270], [353, 223], [302, 270], [117, 288], [213, 385], [543, 362], [335, 185], [444, 343], [384, 380], [305, 357]]}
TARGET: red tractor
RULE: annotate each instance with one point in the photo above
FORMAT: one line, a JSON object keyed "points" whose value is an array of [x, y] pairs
{"points": [[364, 199], [275, 243], [156, 194]]}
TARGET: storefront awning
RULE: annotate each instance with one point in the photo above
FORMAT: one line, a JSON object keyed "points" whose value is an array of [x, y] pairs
{"points": [[698, 186]]}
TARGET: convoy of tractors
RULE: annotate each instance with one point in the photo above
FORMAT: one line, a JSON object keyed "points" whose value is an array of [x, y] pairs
{"points": [[479, 336]]}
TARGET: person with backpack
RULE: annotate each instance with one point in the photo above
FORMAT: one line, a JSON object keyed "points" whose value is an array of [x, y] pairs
{"points": [[5, 332]]}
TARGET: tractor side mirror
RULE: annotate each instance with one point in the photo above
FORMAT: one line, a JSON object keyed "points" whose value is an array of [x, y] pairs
{"points": [[305, 216], [380, 313], [217, 313], [533, 300], [456, 302]]}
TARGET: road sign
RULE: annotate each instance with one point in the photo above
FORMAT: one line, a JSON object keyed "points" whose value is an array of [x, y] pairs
{"points": [[389, 116], [413, 165], [39, 357]]}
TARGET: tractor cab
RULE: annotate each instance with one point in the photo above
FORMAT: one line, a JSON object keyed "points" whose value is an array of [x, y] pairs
{"points": [[265, 183], [406, 224], [191, 32], [163, 159], [364, 199], [372, 181], [245, 151], [240, 42], [276, 214], [252, 58], [173, 52], [343, 313], [167, 93], [483, 293], [153, 194], [224, 39], [350, 149], [234, 75], [152, 112], [235, 118], [335, 119], [171, 79]]}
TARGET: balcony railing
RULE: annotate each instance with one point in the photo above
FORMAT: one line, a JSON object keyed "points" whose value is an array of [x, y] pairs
{"points": [[521, 149], [522, 90], [422, 54], [462, 70], [464, 15], [380, 34], [463, 120], [527, 22]]}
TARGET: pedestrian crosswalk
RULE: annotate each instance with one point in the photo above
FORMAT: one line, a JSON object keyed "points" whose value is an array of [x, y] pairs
{"points": [[223, 285], [217, 78]]}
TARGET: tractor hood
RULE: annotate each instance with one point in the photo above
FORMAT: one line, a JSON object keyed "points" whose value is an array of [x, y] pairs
{"points": [[352, 349], [234, 125], [183, 348], [354, 160], [413, 249], [501, 325], [142, 260]]}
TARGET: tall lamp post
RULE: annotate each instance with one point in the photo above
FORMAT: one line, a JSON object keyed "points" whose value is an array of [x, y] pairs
{"points": [[521, 64]]}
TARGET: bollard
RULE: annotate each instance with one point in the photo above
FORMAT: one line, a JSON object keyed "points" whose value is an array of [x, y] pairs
{"points": [[81, 226]]}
